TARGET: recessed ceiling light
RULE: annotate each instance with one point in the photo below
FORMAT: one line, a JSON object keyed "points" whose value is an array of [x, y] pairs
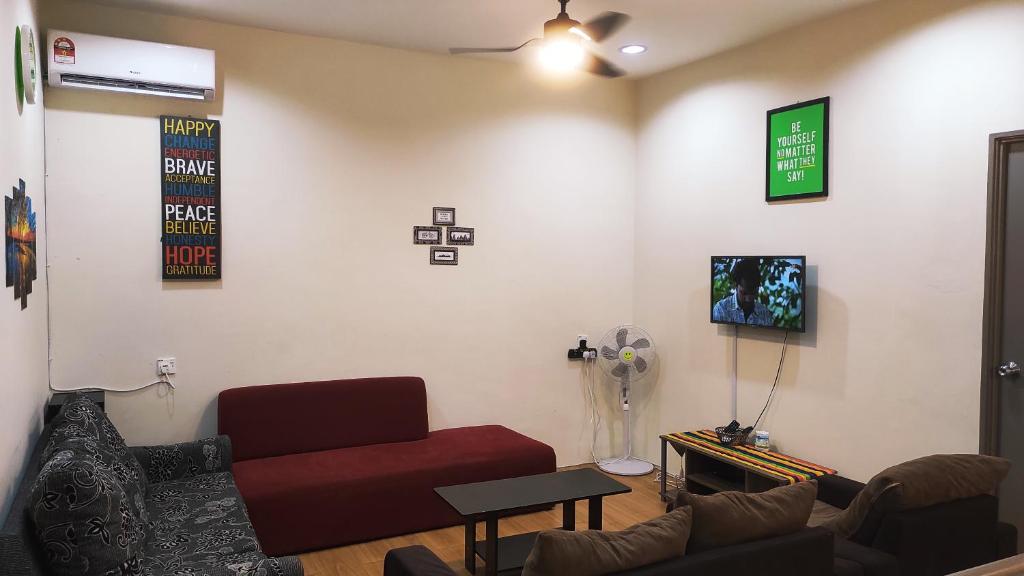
{"points": [[633, 49]]}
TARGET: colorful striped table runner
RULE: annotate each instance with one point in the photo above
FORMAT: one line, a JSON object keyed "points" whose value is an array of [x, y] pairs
{"points": [[772, 464]]}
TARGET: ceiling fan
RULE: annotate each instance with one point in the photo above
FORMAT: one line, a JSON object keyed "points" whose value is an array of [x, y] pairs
{"points": [[565, 40]]}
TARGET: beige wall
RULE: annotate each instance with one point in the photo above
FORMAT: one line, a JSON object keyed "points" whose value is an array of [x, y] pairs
{"points": [[889, 369], [23, 380], [332, 151], [321, 279]]}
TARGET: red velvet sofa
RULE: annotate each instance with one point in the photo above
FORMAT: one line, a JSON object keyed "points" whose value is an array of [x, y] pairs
{"points": [[323, 464]]}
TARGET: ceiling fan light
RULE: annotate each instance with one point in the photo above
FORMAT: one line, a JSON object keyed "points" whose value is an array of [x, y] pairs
{"points": [[579, 32], [562, 55]]}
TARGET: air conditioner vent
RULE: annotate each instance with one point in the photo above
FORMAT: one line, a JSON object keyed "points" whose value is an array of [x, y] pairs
{"points": [[132, 86]]}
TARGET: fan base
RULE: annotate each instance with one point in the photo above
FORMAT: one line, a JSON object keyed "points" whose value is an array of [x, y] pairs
{"points": [[626, 466]]}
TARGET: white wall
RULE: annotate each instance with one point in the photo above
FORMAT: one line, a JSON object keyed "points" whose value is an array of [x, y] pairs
{"points": [[23, 381], [321, 279], [890, 367], [332, 151]]}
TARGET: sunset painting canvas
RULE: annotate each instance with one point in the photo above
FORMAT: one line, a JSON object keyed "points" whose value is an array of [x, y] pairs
{"points": [[20, 243]]}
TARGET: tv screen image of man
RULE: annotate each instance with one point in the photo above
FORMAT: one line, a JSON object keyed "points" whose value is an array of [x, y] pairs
{"points": [[743, 305]]}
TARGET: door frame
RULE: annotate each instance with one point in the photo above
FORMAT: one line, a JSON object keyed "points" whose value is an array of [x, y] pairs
{"points": [[992, 320]]}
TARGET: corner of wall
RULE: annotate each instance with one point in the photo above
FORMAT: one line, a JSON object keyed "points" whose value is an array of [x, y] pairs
{"points": [[24, 339]]}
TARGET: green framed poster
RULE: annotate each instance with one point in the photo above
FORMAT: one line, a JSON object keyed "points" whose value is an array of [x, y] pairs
{"points": [[797, 163]]}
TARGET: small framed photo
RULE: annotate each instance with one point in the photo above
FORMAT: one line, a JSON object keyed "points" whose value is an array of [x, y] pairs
{"points": [[444, 255], [426, 234], [444, 216], [460, 236]]}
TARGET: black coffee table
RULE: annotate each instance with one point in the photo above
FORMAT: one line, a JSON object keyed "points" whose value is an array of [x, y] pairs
{"points": [[488, 501]]}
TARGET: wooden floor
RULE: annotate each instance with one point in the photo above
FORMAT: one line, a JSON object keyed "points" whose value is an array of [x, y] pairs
{"points": [[367, 559], [1008, 567]]}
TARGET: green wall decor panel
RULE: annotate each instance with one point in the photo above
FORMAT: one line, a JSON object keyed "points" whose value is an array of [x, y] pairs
{"points": [[19, 84], [797, 162]]}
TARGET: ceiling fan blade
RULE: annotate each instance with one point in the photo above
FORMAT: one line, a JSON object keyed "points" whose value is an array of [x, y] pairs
{"points": [[620, 371], [641, 343], [620, 337], [608, 353], [604, 25], [455, 51], [598, 65], [640, 363]]}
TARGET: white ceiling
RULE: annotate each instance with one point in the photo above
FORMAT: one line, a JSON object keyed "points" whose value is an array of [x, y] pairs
{"points": [[676, 31]]}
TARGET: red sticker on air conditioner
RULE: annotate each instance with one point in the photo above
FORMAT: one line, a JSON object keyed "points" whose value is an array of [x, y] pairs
{"points": [[64, 51]]}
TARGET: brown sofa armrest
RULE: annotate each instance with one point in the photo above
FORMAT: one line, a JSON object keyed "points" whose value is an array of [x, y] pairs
{"points": [[838, 491]]}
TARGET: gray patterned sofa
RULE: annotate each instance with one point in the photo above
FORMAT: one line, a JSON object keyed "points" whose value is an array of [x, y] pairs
{"points": [[90, 505]]}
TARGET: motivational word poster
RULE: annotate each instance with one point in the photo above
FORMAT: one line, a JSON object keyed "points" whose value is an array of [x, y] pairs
{"points": [[798, 151], [190, 192]]}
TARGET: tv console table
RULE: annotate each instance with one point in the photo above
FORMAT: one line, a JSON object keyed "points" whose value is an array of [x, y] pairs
{"points": [[713, 467]]}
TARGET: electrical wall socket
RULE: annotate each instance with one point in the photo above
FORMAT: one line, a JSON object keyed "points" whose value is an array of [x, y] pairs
{"points": [[580, 338], [166, 366]]}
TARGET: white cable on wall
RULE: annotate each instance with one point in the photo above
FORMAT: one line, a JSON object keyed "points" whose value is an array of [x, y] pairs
{"points": [[589, 378], [164, 380]]}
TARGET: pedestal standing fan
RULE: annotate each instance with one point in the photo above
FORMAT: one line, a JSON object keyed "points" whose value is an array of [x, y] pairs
{"points": [[626, 354]]}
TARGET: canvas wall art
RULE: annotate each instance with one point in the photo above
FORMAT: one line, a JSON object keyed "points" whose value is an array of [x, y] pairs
{"points": [[190, 193], [20, 243]]}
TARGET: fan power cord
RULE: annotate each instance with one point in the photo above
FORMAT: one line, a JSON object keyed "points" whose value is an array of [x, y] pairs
{"points": [[671, 480], [589, 378], [594, 412], [624, 403], [778, 373]]}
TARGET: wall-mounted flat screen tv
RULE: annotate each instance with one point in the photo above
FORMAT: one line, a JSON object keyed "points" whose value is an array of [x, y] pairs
{"points": [[765, 291]]}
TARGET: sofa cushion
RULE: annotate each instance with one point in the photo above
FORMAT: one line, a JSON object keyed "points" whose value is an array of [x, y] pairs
{"points": [[807, 552], [917, 484], [822, 513], [186, 459], [198, 522], [595, 552], [126, 469], [81, 422], [82, 427], [314, 416], [80, 417], [74, 421], [861, 519], [946, 477], [733, 517], [308, 501], [85, 521], [240, 564]]}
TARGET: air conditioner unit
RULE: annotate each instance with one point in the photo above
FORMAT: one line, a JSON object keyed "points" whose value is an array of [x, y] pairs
{"points": [[102, 63]]}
